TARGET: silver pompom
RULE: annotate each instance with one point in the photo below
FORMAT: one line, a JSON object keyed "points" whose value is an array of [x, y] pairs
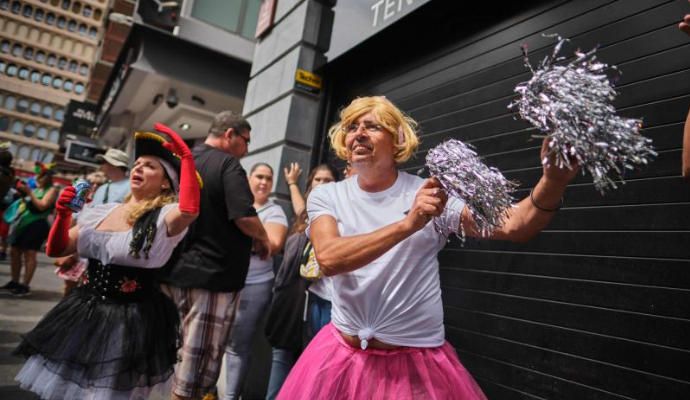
{"points": [[485, 191], [570, 102]]}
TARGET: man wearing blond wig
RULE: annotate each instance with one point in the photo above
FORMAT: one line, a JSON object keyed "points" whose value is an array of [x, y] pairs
{"points": [[371, 233]]}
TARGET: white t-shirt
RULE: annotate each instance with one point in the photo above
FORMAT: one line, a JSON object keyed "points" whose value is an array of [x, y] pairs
{"points": [[397, 297], [262, 270]]}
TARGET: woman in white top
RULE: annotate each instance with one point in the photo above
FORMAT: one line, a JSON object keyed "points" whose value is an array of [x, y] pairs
{"points": [[372, 235], [116, 336], [256, 293]]}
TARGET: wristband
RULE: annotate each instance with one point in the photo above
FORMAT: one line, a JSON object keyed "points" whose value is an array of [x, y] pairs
{"points": [[292, 183], [538, 207]]}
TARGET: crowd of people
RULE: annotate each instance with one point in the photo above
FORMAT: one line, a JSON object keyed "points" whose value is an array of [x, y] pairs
{"points": [[174, 266]]}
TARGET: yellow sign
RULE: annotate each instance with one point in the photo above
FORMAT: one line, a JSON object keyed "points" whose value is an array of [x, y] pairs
{"points": [[307, 78]]}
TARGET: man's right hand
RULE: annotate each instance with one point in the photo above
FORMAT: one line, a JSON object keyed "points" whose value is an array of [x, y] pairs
{"points": [[262, 248]]}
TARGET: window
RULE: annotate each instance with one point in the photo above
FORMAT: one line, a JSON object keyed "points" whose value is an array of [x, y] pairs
{"points": [[4, 123], [73, 66], [10, 103], [16, 7], [3, 66], [97, 15], [224, 14], [59, 114], [35, 108], [82, 29], [35, 76], [51, 60], [45, 79], [42, 133], [50, 18], [29, 53], [48, 158], [79, 88], [47, 112], [76, 7], [57, 82], [29, 130], [39, 14], [83, 70], [54, 136], [28, 11], [17, 50], [40, 57], [61, 22], [11, 70], [65, 4], [93, 33], [36, 154], [4, 4], [68, 86], [23, 73], [17, 127], [5, 46], [72, 25], [23, 105], [87, 11], [23, 152], [62, 63]]}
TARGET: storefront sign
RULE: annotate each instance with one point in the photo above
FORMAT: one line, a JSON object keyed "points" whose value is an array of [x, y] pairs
{"points": [[357, 20], [266, 14], [308, 81], [80, 118]]}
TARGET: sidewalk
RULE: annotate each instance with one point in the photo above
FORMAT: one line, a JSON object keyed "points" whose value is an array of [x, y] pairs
{"points": [[19, 315]]}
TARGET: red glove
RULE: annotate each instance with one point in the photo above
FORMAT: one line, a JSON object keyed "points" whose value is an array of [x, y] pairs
{"points": [[58, 238], [189, 185]]}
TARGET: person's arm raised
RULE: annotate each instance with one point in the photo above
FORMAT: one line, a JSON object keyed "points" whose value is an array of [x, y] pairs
{"points": [[337, 254], [62, 240], [292, 177]]}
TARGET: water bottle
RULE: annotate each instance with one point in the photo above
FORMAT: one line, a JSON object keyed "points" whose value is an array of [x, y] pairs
{"points": [[81, 187]]}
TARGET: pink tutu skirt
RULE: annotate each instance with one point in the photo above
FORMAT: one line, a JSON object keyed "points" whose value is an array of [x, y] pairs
{"points": [[330, 368]]}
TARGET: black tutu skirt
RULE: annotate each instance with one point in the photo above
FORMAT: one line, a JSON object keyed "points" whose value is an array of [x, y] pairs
{"points": [[114, 338]]}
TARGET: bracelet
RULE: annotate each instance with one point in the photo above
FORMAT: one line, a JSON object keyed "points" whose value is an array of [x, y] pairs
{"points": [[538, 207], [292, 183]]}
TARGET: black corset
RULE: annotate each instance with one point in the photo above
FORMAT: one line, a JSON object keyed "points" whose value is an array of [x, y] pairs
{"points": [[117, 282]]}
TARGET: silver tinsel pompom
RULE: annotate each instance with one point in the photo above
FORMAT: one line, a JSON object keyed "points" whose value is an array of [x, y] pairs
{"points": [[571, 103], [485, 191]]}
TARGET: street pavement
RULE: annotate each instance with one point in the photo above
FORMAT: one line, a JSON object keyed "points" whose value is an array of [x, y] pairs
{"points": [[18, 315]]}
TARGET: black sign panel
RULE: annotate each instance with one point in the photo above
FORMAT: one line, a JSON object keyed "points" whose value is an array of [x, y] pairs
{"points": [[80, 119], [82, 153]]}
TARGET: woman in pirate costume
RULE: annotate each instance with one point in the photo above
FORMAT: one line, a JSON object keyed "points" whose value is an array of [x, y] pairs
{"points": [[115, 337]]}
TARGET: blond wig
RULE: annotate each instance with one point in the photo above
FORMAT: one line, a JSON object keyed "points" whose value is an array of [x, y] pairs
{"points": [[166, 196], [395, 122]]}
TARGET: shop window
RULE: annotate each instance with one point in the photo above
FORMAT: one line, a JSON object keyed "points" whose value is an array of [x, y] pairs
{"points": [[29, 130], [35, 77], [79, 88], [72, 25], [61, 22], [17, 127], [82, 29], [54, 136], [42, 133], [4, 4], [50, 18], [52, 59], [4, 123], [35, 108], [47, 111], [23, 73], [57, 82], [28, 11], [39, 14], [5, 46], [40, 57], [62, 63], [65, 4], [68, 86], [59, 114], [17, 50], [10, 103], [16, 7], [29, 53], [83, 70], [23, 105], [93, 32], [73, 66], [46, 79], [11, 70]]}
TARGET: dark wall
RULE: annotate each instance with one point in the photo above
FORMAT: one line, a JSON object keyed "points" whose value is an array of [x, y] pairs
{"points": [[598, 305]]}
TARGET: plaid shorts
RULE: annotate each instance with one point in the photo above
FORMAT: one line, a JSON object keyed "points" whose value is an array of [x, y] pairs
{"points": [[206, 320]]}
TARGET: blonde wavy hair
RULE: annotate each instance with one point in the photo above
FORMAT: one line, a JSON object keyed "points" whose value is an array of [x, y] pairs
{"points": [[167, 196], [394, 121]]}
